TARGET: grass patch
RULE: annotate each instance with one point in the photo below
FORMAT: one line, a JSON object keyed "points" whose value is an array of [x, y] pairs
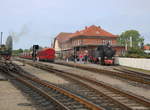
{"points": [[138, 69]]}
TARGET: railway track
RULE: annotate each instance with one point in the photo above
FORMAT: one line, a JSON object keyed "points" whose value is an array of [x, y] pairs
{"points": [[143, 76], [122, 73], [48, 94], [105, 92]]}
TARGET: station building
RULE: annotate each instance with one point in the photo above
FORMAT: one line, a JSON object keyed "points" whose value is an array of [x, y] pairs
{"points": [[85, 41], [146, 49]]}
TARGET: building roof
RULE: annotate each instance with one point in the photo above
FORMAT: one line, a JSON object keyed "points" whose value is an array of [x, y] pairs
{"points": [[93, 31], [146, 47], [63, 36]]}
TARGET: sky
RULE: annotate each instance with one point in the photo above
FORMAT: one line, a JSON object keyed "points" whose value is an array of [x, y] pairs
{"points": [[39, 21]]}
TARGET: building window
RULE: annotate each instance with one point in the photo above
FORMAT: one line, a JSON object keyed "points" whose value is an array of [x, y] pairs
{"points": [[99, 41], [110, 42], [74, 42], [97, 32], [81, 41], [104, 42], [78, 42]]}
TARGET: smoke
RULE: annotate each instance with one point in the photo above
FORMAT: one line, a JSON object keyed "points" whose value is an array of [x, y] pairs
{"points": [[16, 35], [9, 43]]}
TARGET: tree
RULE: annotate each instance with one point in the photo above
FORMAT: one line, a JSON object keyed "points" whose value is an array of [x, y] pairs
{"points": [[17, 52], [40, 48], [131, 38], [26, 50], [148, 44]]}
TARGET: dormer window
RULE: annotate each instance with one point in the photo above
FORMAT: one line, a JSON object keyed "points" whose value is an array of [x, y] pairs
{"points": [[81, 32], [97, 32]]}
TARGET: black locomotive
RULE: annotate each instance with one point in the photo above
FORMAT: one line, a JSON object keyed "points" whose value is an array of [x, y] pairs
{"points": [[104, 54], [6, 50]]}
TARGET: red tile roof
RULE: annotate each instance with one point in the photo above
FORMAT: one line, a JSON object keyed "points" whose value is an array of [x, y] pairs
{"points": [[93, 31], [146, 47], [63, 36], [88, 31]]}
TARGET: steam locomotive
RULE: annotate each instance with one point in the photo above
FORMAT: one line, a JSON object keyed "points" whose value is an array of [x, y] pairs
{"points": [[6, 50], [104, 54]]}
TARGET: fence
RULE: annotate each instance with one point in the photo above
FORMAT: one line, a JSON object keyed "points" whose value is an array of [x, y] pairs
{"points": [[135, 62]]}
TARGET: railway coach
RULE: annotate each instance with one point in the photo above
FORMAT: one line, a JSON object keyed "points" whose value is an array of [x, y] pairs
{"points": [[46, 54]]}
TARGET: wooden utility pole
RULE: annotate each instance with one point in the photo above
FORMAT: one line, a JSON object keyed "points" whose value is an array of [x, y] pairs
{"points": [[1, 37]]}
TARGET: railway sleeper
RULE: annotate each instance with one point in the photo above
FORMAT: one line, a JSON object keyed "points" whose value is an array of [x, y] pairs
{"points": [[78, 107], [139, 108], [42, 100], [63, 100], [45, 103], [114, 95]]}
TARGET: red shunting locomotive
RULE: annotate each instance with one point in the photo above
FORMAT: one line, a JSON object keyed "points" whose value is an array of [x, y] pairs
{"points": [[47, 54]]}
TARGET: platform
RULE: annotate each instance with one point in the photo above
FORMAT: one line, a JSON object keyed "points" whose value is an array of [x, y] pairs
{"points": [[2, 78]]}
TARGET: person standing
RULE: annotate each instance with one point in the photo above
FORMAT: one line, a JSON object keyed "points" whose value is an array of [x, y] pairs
{"points": [[80, 57], [85, 58]]}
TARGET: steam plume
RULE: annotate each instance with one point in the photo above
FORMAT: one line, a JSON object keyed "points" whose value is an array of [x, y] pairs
{"points": [[16, 36]]}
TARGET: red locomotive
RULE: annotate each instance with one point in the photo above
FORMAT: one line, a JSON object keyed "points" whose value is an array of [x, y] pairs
{"points": [[47, 54]]}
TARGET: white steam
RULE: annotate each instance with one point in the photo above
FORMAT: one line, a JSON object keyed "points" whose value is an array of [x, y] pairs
{"points": [[16, 35]]}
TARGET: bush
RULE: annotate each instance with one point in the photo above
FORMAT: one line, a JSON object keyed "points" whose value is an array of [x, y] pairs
{"points": [[136, 53]]}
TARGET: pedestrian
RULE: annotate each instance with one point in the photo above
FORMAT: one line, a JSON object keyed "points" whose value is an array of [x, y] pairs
{"points": [[37, 58], [85, 58], [80, 58]]}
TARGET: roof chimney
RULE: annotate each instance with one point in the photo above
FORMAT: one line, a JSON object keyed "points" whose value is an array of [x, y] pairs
{"points": [[99, 26], [86, 27]]}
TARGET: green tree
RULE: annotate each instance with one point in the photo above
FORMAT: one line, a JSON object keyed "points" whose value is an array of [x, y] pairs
{"points": [[136, 53], [26, 50], [40, 48], [17, 52], [148, 44], [131, 36]]}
